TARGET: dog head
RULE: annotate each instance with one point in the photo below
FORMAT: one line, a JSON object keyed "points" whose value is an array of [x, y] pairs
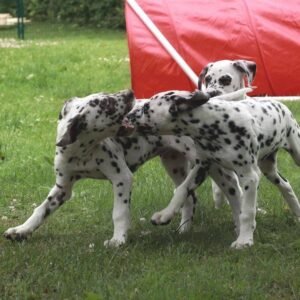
{"points": [[226, 76], [96, 116], [157, 115]]}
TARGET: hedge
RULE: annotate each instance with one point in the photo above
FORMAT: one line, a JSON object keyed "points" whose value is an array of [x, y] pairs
{"points": [[99, 13]]}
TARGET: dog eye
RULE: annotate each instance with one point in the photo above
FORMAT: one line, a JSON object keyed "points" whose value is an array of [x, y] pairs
{"points": [[146, 108], [225, 80]]}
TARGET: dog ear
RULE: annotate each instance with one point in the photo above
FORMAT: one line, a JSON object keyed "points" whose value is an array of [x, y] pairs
{"points": [[74, 127], [246, 67], [128, 95], [65, 109], [182, 104], [201, 77]]}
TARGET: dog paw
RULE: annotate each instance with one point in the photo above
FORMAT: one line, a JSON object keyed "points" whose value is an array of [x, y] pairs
{"points": [[163, 217], [114, 243], [242, 244], [16, 234]]}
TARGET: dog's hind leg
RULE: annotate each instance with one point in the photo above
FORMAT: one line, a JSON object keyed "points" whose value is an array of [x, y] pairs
{"points": [[57, 196], [194, 178], [249, 182], [177, 166], [228, 184], [269, 168], [293, 141]]}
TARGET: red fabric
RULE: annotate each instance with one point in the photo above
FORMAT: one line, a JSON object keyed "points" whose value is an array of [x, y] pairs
{"points": [[202, 31]]}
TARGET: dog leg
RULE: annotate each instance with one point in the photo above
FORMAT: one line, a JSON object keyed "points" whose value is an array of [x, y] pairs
{"points": [[249, 182], [269, 167], [176, 166], [195, 177], [228, 184], [57, 196], [122, 183]]}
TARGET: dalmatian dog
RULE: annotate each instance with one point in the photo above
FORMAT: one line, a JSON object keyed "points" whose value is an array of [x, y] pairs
{"points": [[223, 77], [242, 137], [83, 122]]}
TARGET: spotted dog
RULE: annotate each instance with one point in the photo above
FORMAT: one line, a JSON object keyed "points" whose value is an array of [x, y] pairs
{"points": [[83, 152], [83, 122], [223, 77], [242, 137]]}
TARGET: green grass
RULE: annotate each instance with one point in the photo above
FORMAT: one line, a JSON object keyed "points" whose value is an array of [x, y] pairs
{"points": [[65, 258]]}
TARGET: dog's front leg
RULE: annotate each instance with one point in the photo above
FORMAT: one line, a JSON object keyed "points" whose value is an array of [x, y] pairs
{"points": [[122, 183], [194, 178], [57, 196]]}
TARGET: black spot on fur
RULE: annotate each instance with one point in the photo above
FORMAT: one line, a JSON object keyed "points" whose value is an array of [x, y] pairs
{"points": [[282, 177], [227, 141], [47, 212], [231, 191], [260, 137], [201, 175]]}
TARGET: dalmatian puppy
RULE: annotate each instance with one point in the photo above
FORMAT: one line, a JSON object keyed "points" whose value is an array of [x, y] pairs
{"points": [[83, 122], [242, 137], [223, 77]]}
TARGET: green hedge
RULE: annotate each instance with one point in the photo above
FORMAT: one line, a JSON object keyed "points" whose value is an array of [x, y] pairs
{"points": [[8, 6], [100, 13]]}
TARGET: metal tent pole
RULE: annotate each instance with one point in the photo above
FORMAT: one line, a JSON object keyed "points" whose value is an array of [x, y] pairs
{"points": [[162, 39]]}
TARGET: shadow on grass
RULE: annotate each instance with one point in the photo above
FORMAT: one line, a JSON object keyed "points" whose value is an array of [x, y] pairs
{"points": [[214, 237]]}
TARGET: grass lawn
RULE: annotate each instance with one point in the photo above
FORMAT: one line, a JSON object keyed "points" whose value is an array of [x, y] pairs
{"points": [[65, 258]]}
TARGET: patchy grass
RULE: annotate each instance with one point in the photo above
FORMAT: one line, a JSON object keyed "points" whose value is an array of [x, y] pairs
{"points": [[65, 258]]}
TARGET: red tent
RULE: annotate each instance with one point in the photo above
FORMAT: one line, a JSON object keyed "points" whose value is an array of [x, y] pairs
{"points": [[265, 31]]}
